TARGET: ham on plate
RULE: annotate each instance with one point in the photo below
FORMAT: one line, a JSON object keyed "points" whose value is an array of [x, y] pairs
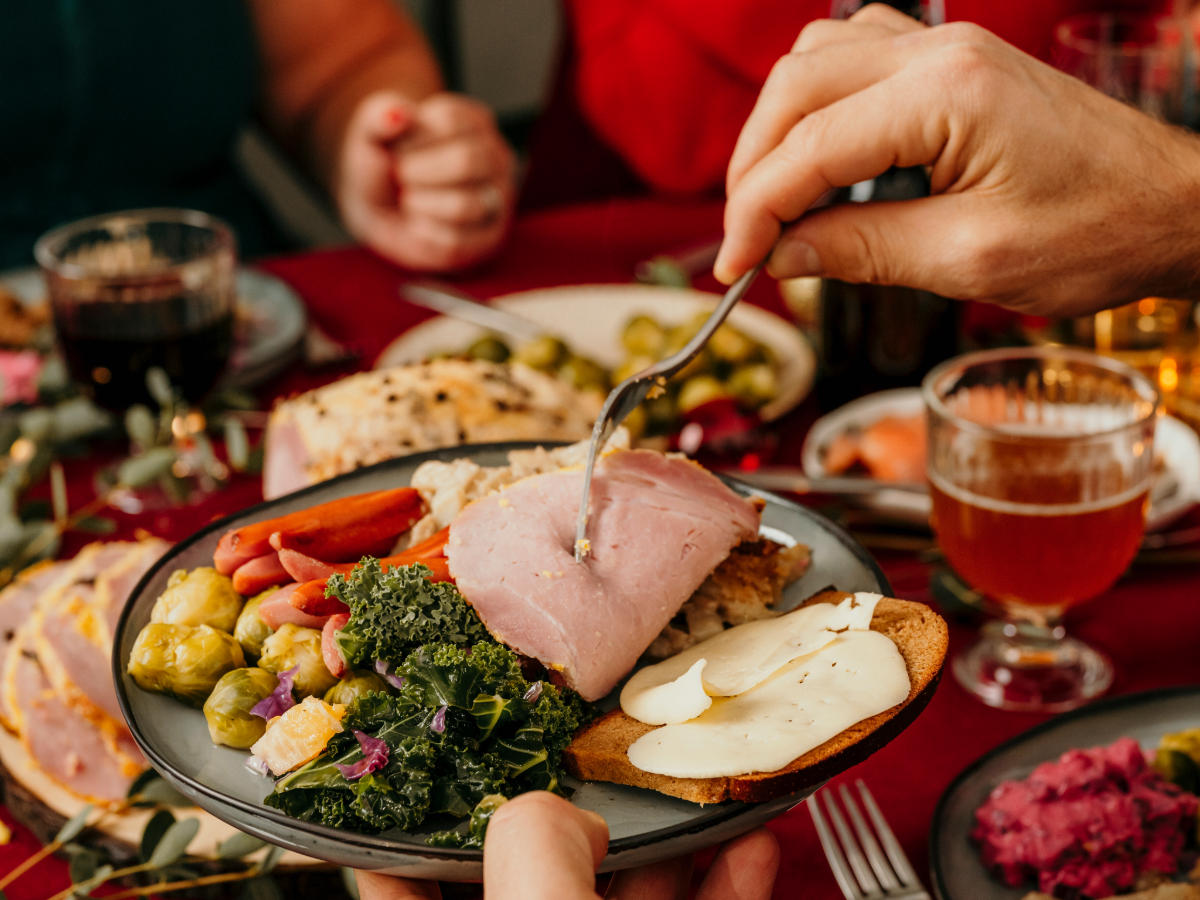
{"points": [[657, 525]]}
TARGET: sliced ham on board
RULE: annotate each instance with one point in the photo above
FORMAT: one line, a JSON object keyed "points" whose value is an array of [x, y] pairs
{"points": [[72, 627], [658, 526], [16, 605], [95, 762]]}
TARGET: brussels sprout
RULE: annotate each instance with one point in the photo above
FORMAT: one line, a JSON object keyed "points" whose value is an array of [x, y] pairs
{"points": [[730, 345], [227, 708], [186, 662], [698, 391], [543, 353], [1178, 768], [350, 687], [660, 413], [291, 646], [754, 384], [583, 374], [1185, 742], [489, 348], [199, 597], [251, 630], [642, 336]]}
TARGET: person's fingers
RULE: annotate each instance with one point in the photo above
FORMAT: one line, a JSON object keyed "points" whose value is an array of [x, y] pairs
{"points": [[480, 203], [837, 146], [384, 117], [540, 847], [925, 241], [447, 115], [667, 880], [372, 886], [744, 869], [464, 159], [886, 16], [801, 83], [827, 32]]}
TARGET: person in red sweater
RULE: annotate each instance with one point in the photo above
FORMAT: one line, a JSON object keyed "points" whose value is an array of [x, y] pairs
{"points": [[665, 85]]}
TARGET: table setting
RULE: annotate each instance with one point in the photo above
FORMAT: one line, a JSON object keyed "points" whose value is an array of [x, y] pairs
{"points": [[570, 272]]}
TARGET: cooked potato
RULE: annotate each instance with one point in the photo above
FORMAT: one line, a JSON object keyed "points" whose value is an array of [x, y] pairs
{"points": [[200, 597], [182, 661], [293, 646]]}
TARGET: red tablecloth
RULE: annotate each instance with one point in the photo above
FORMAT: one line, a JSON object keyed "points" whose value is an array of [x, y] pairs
{"points": [[1149, 623]]}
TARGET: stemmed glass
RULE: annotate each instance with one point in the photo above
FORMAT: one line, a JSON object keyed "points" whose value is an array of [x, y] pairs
{"points": [[1040, 463]]}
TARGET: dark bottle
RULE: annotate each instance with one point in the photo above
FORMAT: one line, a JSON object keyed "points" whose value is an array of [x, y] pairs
{"points": [[872, 337]]}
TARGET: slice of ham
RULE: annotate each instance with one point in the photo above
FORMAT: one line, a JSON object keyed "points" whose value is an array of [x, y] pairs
{"points": [[259, 574], [95, 762], [72, 627], [658, 526], [16, 605]]}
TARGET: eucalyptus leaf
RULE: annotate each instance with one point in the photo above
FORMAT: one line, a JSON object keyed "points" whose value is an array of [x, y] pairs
{"points": [[77, 418], [160, 793], [261, 889], [85, 888], [239, 845], [74, 825], [146, 468], [153, 833], [139, 785], [58, 492], [54, 376], [350, 882], [174, 487], [96, 525], [140, 426], [270, 861], [159, 386], [36, 424], [84, 864], [174, 843]]}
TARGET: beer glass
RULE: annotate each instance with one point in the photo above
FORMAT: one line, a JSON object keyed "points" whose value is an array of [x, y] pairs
{"points": [[1040, 462]]}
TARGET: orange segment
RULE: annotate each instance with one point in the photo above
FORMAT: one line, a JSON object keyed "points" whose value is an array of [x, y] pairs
{"points": [[299, 735]]}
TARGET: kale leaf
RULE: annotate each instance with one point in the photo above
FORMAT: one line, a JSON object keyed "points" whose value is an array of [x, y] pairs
{"points": [[392, 612], [455, 676]]}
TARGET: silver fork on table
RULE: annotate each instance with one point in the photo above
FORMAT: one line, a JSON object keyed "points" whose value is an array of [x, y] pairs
{"points": [[879, 873], [633, 390]]}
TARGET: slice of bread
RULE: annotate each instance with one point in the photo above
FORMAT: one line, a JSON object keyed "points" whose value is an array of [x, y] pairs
{"points": [[598, 752]]}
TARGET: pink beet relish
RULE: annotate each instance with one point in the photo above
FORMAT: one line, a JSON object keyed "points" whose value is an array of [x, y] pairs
{"points": [[1087, 825]]}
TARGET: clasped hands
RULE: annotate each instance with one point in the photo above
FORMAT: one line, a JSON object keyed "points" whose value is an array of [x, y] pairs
{"points": [[540, 847]]}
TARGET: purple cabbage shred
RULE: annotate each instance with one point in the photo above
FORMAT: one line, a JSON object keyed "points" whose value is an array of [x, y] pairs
{"points": [[439, 721], [375, 757], [258, 766], [534, 693], [279, 700], [383, 667]]}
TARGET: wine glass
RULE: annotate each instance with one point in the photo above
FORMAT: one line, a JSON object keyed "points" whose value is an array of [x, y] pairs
{"points": [[1040, 462], [142, 289]]}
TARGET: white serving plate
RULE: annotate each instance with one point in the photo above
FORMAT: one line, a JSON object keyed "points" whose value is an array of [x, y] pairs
{"points": [[645, 826], [1174, 442], [589, 318]]}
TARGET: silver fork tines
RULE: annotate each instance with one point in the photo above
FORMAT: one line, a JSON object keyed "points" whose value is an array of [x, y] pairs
{"points": [[861, 868]]}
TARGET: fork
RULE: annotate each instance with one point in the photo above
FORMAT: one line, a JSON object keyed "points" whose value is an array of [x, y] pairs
{"points": [[874, 875], [649, 382]]}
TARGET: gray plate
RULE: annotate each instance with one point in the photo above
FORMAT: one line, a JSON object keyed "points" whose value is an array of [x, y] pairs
{"points": [[270, 328], [954, 862], [645, 826]]}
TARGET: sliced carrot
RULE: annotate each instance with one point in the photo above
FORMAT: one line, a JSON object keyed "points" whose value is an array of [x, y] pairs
{"points": [[259, 574], [340, 530], [310, 599]]}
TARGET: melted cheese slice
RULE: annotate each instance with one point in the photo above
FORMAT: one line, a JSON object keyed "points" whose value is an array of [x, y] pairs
{"points": [[737, 659], [799, 707]]}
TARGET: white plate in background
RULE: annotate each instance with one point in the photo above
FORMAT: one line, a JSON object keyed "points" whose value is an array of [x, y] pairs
{"points": [[1176, 490], [590, 318]]}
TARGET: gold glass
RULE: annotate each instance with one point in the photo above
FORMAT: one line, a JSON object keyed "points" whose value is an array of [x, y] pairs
{"points": [[1040, 463]]}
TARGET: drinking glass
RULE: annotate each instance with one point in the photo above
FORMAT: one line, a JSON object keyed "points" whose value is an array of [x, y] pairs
{"points": [[1148, 61], [1040, 462], [137, 289]]}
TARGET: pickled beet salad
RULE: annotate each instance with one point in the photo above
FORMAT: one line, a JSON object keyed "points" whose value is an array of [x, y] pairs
{"points": [[1087, 825]]}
